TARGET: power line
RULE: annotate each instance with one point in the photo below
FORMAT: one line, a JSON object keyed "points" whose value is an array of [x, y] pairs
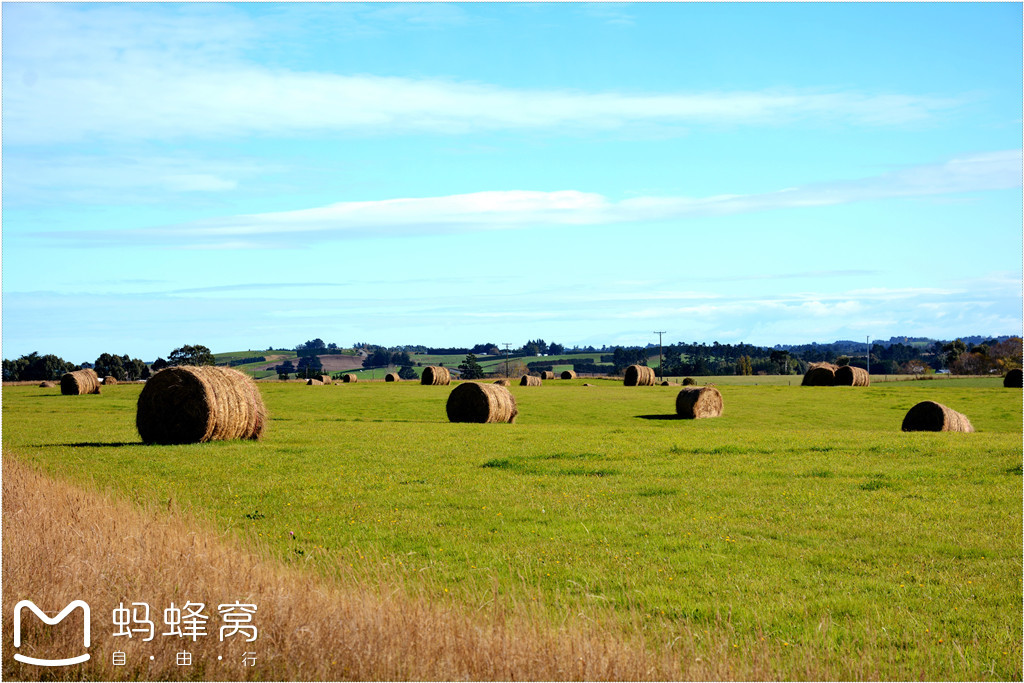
{"points": [[660, 362]]}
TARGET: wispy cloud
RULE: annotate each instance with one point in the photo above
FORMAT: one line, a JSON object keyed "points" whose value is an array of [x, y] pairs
{"points": [[505, 210], [113, 74]]}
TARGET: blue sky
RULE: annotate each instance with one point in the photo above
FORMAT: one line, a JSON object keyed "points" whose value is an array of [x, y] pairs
{"points": [[245, 175]]}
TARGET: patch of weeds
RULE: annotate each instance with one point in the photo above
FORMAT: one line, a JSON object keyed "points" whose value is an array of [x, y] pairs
{"points": [[821, 449], [1018, 470], [516, 465], [652, 491], [573, 456], [584, 472], [254, 515], [875, 483], [821, 474]]}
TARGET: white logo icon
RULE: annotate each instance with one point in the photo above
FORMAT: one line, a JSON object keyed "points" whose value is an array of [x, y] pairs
{"points": [[50, 622]]}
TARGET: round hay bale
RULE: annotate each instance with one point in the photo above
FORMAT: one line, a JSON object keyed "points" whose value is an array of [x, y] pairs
{"points": [[47, 385], [689, 381], [820, 375], [639, 376], [666, 383], [475, 402], [392, 377], [849, 376], [195, 404], [587, 385], [80, 382], [326, 379], [314, 382], [929, 416], [502, 382], [529, 381], [348, 378], [109, 380], [568, 374], [1014, 379], [547, 374], [435, 375], [698, 402]]}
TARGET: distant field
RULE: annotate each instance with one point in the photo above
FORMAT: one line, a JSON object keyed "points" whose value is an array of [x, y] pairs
{"points": [[802, 521]]}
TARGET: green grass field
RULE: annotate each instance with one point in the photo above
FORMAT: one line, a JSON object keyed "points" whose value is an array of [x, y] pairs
{"points": [[803, 517]]}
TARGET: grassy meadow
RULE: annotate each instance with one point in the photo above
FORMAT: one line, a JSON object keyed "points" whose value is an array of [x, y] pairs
{"points": [[802, 522]]}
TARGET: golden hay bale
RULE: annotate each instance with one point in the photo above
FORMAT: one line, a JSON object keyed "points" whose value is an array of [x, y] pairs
{"points": [[929, 416], [80, 382], [109, 380], [392, 377], [666, 383], [314, 382], [475, 402], [820, 375], [326, 379], [588, 385], [849, 376], [47, 385], [194, 404], [529, 381], [1014, 379], [502, 382], [639, 376], [698, 402], [348, 378], [568, 374], [688, 381], [435, 376], [547, 374]]}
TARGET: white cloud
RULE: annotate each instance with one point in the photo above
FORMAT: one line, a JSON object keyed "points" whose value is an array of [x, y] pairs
{"points": [[514, 209]]}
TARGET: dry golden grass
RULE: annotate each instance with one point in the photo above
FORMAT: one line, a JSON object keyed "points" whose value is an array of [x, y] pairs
{"points": [[85, 545]]}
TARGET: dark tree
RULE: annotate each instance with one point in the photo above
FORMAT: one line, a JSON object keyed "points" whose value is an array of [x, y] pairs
{"points": [[109, 365], [470, 368], [309, 366], [284, 369], [406, 372], [190, 355]]}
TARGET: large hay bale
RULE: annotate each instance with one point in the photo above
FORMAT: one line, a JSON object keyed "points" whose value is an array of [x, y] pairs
{"points": [[689, 381], [80, 382], [392, 377], [348, 378], [502, 382], [109, 380], [1014, 379], [47, 385], [547, 374], [929, 416], [639, 376], [326, 379], [475, 402], [314, 382], [849, 376], [529, 381], [820, 375], [699, 402], [194, 404], [435, 375], [568, 374]]}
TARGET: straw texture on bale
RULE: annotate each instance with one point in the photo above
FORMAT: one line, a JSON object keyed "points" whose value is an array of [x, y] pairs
{"points": [[687, 381], [547, 374], [195, 404], [1014, 379], [502, 382], [849, 376], [820, 375], [391, 377], [109, 380], [349, 377], [314, 383], [639, 376], [699, 402], [474, 402], [326, 379], [929, 416], [530, 381], [435, 376], [48, 385], [80, 382], [568, 374]]}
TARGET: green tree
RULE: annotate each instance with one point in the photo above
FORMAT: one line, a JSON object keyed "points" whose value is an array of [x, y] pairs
{"points": [[744, 366], [309, 366], [406, 372], [284, 369], [109, 365], [190, 355], [470, 368]]}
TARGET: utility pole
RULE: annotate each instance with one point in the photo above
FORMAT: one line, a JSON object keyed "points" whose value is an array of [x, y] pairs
{"points": [[661, 371], [867, 340], [506, 345]]}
